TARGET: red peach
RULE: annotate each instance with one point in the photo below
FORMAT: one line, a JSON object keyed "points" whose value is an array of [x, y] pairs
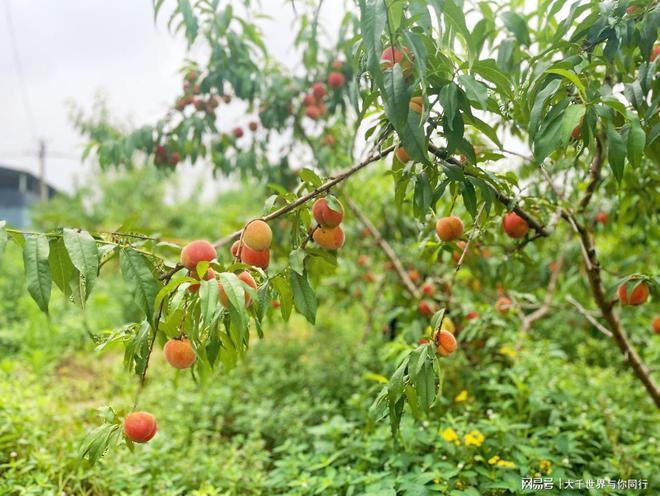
{"points": [[426, 308], [514, 225], [313, 112], [197, 251], [637, 296], [402, 154], [255, 258], [503, 305], [428, 288], [449, 228], [336, 79], [331, 238], [325, 216], [390, 56], [257, 235], [140, 427], [446, 343], [602, 217], [318, 90], [179, 353]]}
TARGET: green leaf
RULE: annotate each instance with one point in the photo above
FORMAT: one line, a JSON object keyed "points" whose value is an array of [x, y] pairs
{"points": [[456, 18], [209, 301], [189, 20], [235, 292], [413, 138], [304, 297], [397, 382], [373, 18], [425, 385], [469, 198], [297, 260], [396, 97], [416, 360], [448, 98], [37, 271], [475, 90], [98, 441], [518, 26], [136, 270], [65, 276], [572, 117], [489, 70], [84, 256], [423, 196], [485, 128], [310, 177], [616, 152], [333, 204], [573, 78], [636, 143], [536, 113], [285, 295]]}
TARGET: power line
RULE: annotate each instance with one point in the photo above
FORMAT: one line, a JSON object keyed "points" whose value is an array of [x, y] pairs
{"points": [[19, 70]]}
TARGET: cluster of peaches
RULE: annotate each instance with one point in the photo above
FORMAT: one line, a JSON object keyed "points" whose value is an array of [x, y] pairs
{"points": [[253, 248], [191, 91], [314, 101]]}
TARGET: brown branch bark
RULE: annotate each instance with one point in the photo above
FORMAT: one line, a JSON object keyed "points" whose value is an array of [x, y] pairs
{"points": [[594, 175], [589, 317], [385, 246], [607, 311], [592, 266], [303, 199]]}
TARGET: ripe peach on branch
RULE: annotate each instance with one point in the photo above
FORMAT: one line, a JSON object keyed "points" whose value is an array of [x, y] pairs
{"points": [[140, 427]]}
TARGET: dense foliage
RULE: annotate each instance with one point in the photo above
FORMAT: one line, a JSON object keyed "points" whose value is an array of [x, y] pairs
{"points": [[463, 237]]}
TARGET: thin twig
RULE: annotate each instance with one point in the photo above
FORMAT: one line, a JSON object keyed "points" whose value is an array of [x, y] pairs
{"points": [[545, 307], [588, 316]]}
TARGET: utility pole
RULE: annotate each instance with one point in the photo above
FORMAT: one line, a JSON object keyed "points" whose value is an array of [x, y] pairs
{"points": [[43, 188]]}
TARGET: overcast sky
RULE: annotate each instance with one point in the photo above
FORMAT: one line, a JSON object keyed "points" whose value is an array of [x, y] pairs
{"points": [[72, 49]]}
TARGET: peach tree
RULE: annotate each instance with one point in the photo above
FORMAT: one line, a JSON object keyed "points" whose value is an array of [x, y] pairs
{"points": [[496, 127]]}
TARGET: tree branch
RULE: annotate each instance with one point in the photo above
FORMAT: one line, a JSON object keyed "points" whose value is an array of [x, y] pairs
{"points": [[589, 317], [618, 332], [594, 175], [501, 197], [303, 199]]}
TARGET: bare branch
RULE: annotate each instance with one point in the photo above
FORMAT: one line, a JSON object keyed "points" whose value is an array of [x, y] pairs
{"points": [[588, 316]]}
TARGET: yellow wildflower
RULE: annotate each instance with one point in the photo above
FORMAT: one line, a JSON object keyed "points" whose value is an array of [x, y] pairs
{"points": [[493, 460], [449, 435], [505, 464], [508, 351], [546, 466], [462, 396], [474, 438], [459, 485]]}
